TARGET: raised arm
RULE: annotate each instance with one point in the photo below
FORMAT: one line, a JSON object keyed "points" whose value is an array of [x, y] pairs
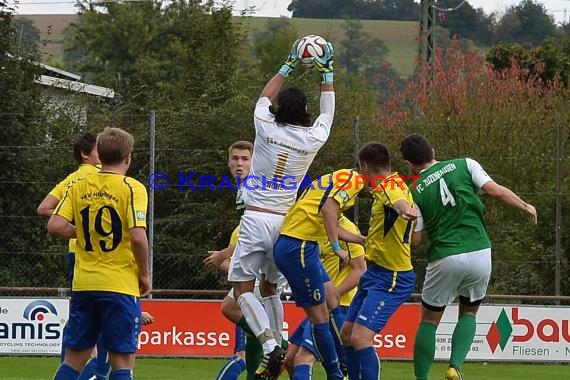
{"points": [[272, 88]]}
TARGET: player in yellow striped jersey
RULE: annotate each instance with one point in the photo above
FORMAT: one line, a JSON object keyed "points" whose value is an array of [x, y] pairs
{"points": [[296, 254], [339, 293], [390, 279], [111, 270], [85, 153]]}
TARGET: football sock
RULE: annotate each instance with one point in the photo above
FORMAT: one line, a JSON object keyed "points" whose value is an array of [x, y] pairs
{"points": [[274, 309], [121, 374], [424, 350], [253, 354], [352, 362], [336, 321], [302, 372], [461, 339], [89, 370], [255, 316], [368, 363], [231, 369], [65, 372], [324, 345], [103, 364], [245, 327]]}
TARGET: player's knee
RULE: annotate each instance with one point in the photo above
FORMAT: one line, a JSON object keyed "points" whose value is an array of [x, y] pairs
{"points": [[304, 356], [230, 309], [267, 289]]}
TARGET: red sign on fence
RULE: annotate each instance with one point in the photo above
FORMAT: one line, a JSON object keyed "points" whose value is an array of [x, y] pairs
{"points": [[198, 328]]}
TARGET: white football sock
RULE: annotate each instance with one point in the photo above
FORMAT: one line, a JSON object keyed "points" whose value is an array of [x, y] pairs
{"points": [[274, 309], [257, 319]]}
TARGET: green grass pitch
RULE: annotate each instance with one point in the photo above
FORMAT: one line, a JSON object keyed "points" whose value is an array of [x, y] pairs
{"points": [[43, 368]]}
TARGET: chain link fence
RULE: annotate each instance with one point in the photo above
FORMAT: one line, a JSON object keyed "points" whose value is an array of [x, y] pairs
{"points": [[185, 223]]}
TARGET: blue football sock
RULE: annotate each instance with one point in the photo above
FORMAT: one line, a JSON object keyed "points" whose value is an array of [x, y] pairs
{"points": [[302, 372], [89, 370], [353, 363], [336, 321], [324, 345], [65, 372], [232, 369], [121, 374], [103, 365], [369, 365]]}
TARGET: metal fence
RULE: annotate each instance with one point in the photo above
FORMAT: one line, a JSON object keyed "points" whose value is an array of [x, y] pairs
{"points": [[184, 224]]}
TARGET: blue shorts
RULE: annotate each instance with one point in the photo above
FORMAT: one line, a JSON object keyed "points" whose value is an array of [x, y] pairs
{"points": [[380, 292], [300, 263], [115, 316], [302, 336], [240, 340]]}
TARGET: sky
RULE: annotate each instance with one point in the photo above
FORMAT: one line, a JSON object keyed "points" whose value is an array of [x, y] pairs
{"points": [[560, 9]]}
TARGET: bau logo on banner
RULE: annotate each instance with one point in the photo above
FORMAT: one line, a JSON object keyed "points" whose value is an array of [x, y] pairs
{"points": [[35, 323], [545, 330]]}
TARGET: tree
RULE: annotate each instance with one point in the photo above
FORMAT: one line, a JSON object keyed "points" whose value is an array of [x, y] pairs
{"points": [[363, 56], [181, 48], [528, 23], [355, 9], [20, 107], [272, 45], [28, 35], [550, 61], [358, 49]]}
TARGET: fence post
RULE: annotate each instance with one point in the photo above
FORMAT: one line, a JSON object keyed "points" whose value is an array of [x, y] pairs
{"points": [[152, 134], [558, 237]]}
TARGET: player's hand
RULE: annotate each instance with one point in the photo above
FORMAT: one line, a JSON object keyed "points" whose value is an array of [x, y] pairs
{"points": [[144, 285], [410, 214], [343, 256], [214, 260], [324, 64], [147, 318], [291, 62], [530, 210], [361, 240]]}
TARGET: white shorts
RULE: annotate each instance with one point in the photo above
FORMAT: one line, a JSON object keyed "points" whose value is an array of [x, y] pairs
{"points": [[253, 255], [465, 275]]}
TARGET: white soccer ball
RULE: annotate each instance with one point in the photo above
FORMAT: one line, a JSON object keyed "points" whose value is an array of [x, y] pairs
{"points": [[311, 46]]}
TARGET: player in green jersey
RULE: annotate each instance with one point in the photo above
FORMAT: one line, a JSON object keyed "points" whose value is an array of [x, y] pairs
{"points": [[459, 256]]}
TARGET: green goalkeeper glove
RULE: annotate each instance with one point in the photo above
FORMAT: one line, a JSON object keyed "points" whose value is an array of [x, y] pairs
{"points": [[324, 64], [291, 62]]}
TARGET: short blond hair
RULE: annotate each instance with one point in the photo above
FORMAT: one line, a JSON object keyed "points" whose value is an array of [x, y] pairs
{"points": [[114, 145], [242, 145]]}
